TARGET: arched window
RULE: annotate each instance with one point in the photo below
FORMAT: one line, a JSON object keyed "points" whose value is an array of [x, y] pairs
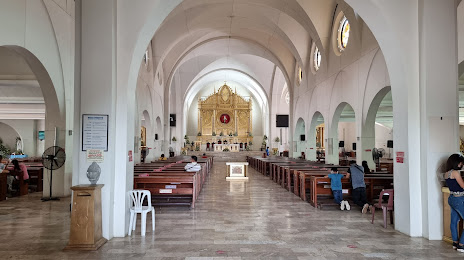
{"points": [[300, 75], [343, 33], [317, 59]]}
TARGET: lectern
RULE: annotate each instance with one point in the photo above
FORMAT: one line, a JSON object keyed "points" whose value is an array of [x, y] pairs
{"points": [[86, 218]]}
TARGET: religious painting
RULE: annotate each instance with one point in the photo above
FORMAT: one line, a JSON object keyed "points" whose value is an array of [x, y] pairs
{"points": [[143, 136], [224, 118]]}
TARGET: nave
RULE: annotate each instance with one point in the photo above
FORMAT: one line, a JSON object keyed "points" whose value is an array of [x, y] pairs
{"points": [[231, 220]]}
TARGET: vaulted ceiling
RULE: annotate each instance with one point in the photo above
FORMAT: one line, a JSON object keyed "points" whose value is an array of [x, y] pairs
{"points": [[200, 36], [20, 93]]}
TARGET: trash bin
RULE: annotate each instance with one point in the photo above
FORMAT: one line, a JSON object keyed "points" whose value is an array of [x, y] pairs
{"points": [[86, 218]]}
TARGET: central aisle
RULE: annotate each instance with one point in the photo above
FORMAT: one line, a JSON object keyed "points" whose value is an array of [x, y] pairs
{"points": [[260, 220]]}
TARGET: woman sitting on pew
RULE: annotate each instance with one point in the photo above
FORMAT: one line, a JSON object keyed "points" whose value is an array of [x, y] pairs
{"points": [[193, 166], [366, 167], [162, 158], [19, 170]]}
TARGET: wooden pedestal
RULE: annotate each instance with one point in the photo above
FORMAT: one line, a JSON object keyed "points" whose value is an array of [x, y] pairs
{"points": [[86, 218]]}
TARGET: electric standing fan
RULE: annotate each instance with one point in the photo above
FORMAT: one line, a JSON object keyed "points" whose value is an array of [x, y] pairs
{"points": [[377, 154], [53, 158]]}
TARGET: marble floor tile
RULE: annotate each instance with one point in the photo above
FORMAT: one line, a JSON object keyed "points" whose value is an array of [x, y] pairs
{"points": [[257, 219]]}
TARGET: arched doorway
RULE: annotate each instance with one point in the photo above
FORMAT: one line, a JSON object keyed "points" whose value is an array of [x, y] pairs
{"points": [[50, 117], [378, 127], [316, 138], [343, 135], [300, 139]]}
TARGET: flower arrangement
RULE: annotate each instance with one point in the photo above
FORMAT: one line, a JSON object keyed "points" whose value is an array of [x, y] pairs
{"points": [[265, 137], [277, 139], [174, 139], [226, 150]]}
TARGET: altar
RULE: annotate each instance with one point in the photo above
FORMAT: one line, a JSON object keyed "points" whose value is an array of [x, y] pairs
{"points": [[225, 119], [229, 147]]}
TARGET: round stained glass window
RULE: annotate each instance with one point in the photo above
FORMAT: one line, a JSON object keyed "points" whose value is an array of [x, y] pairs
{"points": [[343, 33], [317, 59], [287, 98]]}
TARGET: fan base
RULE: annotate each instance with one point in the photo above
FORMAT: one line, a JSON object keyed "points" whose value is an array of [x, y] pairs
{"points": [[49, 198]]}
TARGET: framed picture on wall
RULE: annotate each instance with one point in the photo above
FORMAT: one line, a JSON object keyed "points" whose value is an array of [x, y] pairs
{"points": [[94, 132], [41, 135]]}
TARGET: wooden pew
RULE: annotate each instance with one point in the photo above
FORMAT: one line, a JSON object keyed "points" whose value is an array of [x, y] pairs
{"points": [[3, 184], [170, 183], [320, 186], [175, 187]]}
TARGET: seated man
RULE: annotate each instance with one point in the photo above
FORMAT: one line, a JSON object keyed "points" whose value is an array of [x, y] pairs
{"points": [[162, 158], [193, 166]]}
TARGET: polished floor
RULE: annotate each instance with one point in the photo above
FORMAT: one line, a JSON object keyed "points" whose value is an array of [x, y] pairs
{"points": [[232, 220]]}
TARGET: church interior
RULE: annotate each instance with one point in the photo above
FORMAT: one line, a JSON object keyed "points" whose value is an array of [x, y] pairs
{"points": [[109, 104]]}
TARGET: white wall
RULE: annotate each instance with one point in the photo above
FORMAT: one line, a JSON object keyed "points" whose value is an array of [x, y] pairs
{"points": [[382, 135], [8, 135], [347, 133], [28, 131]]}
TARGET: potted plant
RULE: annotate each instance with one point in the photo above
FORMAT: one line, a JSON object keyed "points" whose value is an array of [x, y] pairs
{"points": [[226, 150], [4, 150], [265, 137], [277, 139], [174, 139]]}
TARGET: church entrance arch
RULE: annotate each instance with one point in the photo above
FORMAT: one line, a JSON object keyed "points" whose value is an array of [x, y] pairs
{"points": [[55, 116], [343, 135]]}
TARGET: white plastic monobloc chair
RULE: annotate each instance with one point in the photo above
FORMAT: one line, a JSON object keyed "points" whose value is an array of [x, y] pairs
{"points": [[138, 196]]}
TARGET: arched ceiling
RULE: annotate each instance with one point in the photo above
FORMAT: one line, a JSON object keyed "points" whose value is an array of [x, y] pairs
{"points": [[20, 93], [197, 33]]}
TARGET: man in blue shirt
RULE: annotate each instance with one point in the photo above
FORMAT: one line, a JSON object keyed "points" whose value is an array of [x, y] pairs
{"points": [[336, 186]]}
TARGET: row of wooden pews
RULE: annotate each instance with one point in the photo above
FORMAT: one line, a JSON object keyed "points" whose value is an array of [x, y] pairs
{"points": [[169, 183], [306, 178]]}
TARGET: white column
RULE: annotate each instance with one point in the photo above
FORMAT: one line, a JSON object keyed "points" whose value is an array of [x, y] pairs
{"points": [[439, 120], [96, 88]]}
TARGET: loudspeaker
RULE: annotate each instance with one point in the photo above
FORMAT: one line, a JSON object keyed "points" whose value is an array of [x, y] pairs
{"points": [[172, 120], [156, 136], [341, 144], [302, 137], [390, 143], [354, 146]]}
